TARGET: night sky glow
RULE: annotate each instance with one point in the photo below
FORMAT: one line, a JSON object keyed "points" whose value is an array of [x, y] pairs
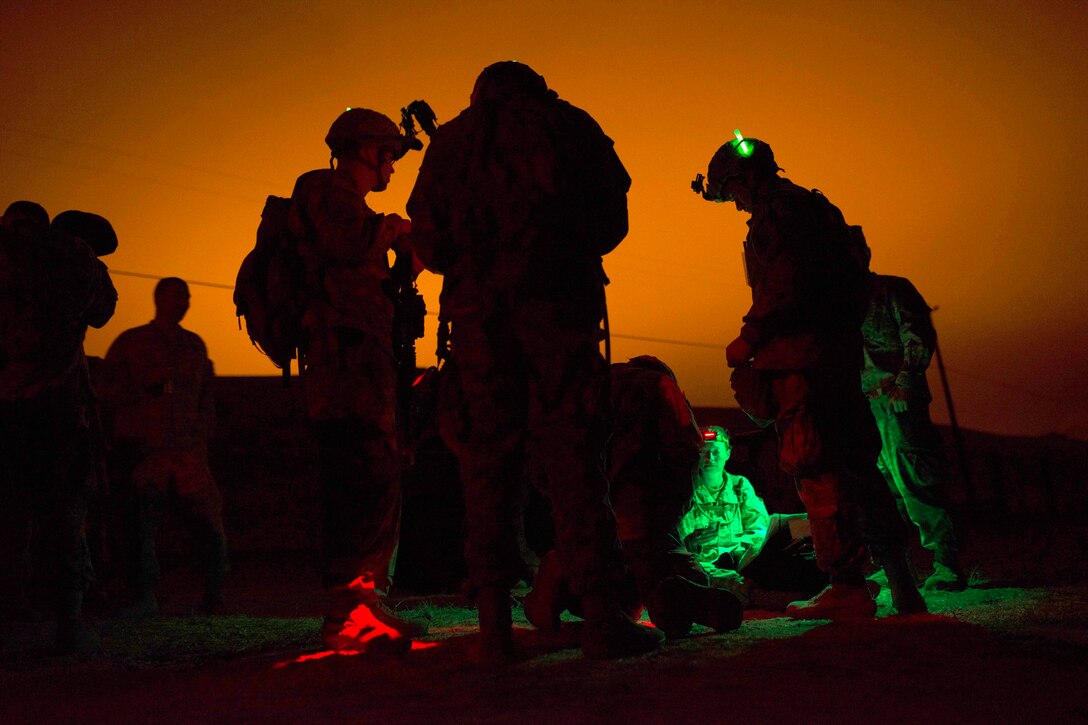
{"points": [[952, 132]]}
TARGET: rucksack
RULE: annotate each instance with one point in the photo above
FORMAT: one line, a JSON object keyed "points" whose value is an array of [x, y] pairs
{"points": [[270, 292]]}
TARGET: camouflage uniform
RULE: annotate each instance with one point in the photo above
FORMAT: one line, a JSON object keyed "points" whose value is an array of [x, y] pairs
{"points": [[808, 301], [515, 203], [899, 341], [159, 384], [349, 374], [730, 521], [51, 289], [652, 454]]}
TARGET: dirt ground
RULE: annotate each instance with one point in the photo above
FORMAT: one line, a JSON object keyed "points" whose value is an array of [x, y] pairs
{"points": [[1012, 648]]}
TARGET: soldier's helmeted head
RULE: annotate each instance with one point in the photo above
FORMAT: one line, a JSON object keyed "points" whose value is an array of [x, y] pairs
{"points": [[171, 300], [649, 362], [716, 447], [91, 228], [506, 80], [358, 128], [740, 160], [25, 218]]}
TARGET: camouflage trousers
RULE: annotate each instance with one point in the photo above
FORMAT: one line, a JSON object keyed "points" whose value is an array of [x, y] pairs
{"points": [[528, 390], [350, 383], [913, 463], [184, 476], [46, 473], [829, 443], [649, 501]]}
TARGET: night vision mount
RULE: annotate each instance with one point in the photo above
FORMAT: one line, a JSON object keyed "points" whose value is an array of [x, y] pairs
{"points": [[424, 116]]}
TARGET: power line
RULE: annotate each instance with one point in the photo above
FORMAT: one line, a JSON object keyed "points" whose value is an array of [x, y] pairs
{"points": [[141, 275], [685, 343], [136, 157]]}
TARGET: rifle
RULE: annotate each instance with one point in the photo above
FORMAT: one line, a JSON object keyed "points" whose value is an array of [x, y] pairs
{"points": [[409, 311], [409, 307]]}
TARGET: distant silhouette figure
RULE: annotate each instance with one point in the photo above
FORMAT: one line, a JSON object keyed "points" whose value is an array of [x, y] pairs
{"points": [[158, 381], [51, 289], [796, 363], [516, 200], [349, 375], [653, 453], [899, 343]]}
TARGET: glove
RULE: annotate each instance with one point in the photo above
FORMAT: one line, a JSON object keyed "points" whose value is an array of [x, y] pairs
{"points": [[739, 353]]}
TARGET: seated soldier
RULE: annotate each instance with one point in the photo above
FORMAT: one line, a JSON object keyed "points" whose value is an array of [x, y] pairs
{"points": [[763, 559], [652, 455]]}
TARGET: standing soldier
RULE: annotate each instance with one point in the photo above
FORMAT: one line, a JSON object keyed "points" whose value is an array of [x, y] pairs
{"points": [[51, 289], [349, 375], [517, 199], [796, 362], [158, 381], [899, 342]]}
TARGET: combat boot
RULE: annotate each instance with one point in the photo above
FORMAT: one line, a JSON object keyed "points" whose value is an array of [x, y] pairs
{"points": [[496, 643], [215, 573], [358, 621], [544, 604], [840, 601], [676, 603], [946, 578], [609, 634], [906, 599], [74, 636], [145, 606]]}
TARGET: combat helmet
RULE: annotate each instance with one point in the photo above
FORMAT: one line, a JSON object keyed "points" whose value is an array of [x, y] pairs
{"points": [[507, 79], [357, 127], [95, 230], [733, 159]]}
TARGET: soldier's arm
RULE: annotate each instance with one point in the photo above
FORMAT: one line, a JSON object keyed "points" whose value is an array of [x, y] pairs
{"points": [[429, 206], [777, 299], [207, 400], [345, 229], [916, 333], [754, 516], [116, 384], [105, 297]]}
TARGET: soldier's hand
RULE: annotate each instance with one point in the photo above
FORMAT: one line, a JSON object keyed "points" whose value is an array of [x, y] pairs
{"points": [[898, 397], [738, 354], [401, 226]]}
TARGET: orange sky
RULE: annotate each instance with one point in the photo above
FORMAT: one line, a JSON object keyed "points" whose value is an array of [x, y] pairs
{"points": [[953, 132]]}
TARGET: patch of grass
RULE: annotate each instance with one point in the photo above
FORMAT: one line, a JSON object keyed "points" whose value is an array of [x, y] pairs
{"points": [[193, 640]]}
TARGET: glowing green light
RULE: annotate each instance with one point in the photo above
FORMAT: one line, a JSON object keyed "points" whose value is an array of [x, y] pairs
{"points": [[742, 146]]}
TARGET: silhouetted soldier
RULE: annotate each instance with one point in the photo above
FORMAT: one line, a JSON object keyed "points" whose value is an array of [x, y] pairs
{"points": [[158, 381], [652, 454], [899, 342], [51, 289], [349, 375], [797, 360], [517, 199]]}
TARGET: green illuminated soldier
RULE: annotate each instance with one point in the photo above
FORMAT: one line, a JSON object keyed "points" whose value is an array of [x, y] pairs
{"points": [[796, 363], [741, 547], [517, 199], [349, 375], [653, 452], [899, 342]]}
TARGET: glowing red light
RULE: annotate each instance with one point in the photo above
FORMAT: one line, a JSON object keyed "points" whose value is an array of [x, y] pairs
{"points": [[710, 435]]}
